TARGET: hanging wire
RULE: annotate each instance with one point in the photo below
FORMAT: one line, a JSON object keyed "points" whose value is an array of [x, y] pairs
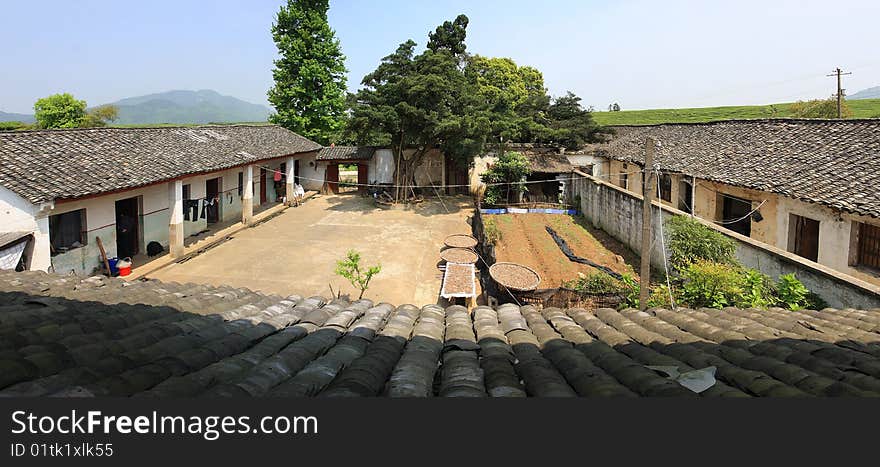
{"points": [[383, 185], [663, 246]]}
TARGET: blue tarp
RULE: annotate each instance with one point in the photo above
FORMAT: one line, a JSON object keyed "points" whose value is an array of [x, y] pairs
{"points": [[530, 211]]}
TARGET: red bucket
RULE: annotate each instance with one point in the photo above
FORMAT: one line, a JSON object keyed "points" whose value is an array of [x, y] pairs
{"points": [[124, 266]]}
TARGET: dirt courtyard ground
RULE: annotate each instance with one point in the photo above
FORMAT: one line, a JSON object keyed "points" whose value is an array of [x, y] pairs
{"points": [[296, 252], [526, 241]]}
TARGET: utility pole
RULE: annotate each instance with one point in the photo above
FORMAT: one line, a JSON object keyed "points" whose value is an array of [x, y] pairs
{"points": [[838, 72], [648, 189]]}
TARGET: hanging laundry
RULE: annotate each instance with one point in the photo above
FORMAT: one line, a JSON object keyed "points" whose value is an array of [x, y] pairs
{"points": [[277, 176], [191, 206]]}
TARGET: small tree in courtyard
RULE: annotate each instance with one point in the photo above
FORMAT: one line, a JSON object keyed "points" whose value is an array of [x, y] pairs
{"points": [[505, 177], [350, 268]]}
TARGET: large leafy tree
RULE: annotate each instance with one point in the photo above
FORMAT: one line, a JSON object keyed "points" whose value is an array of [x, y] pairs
{"points": [[309, 91], [514, 97], [59, 111], [571, 125], [421, 102]]}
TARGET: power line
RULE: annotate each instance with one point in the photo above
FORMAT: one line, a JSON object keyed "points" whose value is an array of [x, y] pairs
{"points": [[838, 72]]}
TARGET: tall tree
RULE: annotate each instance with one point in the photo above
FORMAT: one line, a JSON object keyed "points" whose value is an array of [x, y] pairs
{"points": [[59, 111], [571, 125], [309, 91], [422, 102]]}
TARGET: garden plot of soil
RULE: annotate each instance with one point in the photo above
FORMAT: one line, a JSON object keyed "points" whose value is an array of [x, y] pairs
{"points": [[525, 240]]}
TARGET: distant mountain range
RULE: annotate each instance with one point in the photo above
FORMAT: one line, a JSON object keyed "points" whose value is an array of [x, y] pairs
{"points": [[203, 106], [870, 93], [13, 117]]}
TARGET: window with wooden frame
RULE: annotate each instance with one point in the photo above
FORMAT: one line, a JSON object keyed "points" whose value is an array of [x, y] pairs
{"points": [[866, 246], [186, 191], [67, 231], [624, 178]]}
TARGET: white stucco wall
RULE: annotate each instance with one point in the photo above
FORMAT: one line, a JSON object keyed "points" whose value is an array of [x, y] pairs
{"points": [[382, 166], [19, 215], [311, 174]]}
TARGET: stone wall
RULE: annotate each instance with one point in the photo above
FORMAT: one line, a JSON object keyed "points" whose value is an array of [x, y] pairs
{"points": [[619, 213]]}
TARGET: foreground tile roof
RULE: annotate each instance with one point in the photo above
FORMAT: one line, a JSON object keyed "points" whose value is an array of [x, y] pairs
{"points": [[346, 153], [832, 162], [69, 336], [51, 164]]}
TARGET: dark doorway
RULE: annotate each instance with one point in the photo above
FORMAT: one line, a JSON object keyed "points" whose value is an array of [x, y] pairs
{"points": [[213, 187], [263, 183], [687, 195], [296, 171], [127, 227], [363, 170], [332, 178], [456, 175], [803, 237], [735, 214]]}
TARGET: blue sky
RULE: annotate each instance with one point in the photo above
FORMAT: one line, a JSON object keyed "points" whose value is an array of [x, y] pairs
{"points": [[642, 54]]}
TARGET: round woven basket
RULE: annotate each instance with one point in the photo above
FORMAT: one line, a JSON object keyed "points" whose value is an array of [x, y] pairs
{"points": [[459, 255], [515, 276], [460, 241]]}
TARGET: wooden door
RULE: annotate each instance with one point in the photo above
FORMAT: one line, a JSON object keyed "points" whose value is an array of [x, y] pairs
{"points": [[296, 171], [263, 182], [333, 178], [869, 246], [805, 237], [363, 178]]}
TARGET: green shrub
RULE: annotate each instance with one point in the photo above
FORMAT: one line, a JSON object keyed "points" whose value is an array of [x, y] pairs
{"points": [[491, 232], [758, 290], [659, 297], [595, 283], [691, 241], [7, 126], [510, 169], [712, 285], [791, 293], [630, 291]]}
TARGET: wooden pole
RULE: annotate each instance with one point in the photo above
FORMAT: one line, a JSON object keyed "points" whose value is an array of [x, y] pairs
{"points": [[648, 189], [104, 255]]}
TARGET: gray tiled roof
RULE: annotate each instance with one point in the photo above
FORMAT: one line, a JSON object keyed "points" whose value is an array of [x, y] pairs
{"points": [[346, 153], [52, 164], [832, 162], [549, 163], [70, 336]]}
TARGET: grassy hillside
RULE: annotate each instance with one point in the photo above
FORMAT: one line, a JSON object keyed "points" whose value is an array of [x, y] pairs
{"points": [[863, 108]]}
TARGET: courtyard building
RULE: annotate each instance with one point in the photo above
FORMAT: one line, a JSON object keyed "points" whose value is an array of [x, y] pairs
{"points": [[809, 187], [69, 193]]}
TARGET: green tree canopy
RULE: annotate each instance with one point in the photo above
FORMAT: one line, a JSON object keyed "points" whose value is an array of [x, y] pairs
{"points": [[422, 101], [100, 115], [59, 111], [571, 125], [309, 91], [820, 108]]}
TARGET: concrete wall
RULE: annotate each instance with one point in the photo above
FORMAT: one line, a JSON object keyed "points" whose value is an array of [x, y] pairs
{"points": [[619, 213], [835, 227]]}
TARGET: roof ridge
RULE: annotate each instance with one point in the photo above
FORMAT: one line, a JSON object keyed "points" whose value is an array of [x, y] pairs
{"points": [[122, 128], [755, 121]]}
